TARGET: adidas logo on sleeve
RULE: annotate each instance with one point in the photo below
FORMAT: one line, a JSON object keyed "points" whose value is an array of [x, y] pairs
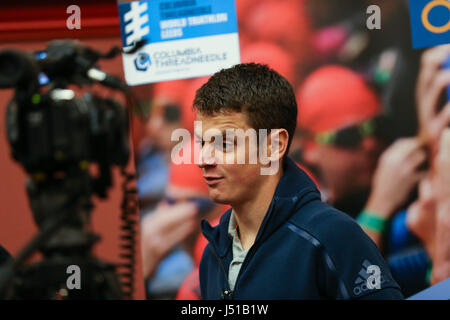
{"points": [[364, 278]]}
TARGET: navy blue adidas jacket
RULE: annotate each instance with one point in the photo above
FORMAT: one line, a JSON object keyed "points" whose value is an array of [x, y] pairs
{"points": [[304, 249]]}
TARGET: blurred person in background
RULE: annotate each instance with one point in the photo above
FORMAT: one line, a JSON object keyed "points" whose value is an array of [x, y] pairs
{"points": [[428, 218], [339, 122], [170, 230], [415, 231], [384, 57], [419, 237], [341, 34], [398, 171], [165, 215], [165, 115]]}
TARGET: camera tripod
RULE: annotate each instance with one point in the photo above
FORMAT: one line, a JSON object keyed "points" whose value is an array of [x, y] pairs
{"points": [[61, 209]]}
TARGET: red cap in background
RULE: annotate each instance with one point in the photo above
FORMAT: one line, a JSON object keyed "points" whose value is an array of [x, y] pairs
{"points": [[334, 96], [284, 22], [273, 55]]}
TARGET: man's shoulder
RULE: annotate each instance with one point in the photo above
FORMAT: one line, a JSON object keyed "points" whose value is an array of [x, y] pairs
{"points": [[348, 251], [331, 229], [326, 223]]}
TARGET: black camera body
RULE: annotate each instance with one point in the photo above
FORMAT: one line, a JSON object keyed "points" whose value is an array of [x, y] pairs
{"points": [[52, 130]]}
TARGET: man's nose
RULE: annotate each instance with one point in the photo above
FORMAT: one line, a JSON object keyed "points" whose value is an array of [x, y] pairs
{"points": [[207, 156]]}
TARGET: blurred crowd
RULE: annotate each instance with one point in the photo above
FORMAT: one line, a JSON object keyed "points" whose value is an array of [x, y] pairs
{"points": [[373, 130]]}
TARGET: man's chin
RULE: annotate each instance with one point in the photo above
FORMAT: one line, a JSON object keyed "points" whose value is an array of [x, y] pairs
{"points": [[219, 198]]}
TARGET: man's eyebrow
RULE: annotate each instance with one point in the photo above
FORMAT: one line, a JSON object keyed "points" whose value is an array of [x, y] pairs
{"points": [[223, 133], [232, 136]]}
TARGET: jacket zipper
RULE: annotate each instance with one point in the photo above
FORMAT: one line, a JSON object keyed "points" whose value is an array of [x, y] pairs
{"points": [[252, 250]]}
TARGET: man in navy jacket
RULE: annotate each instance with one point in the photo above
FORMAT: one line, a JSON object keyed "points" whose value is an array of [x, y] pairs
{"points": [[278, 240]]}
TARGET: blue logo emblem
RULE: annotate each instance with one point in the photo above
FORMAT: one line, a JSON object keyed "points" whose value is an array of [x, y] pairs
{"points": [[134, 22], [430, 22], [142, 61]]}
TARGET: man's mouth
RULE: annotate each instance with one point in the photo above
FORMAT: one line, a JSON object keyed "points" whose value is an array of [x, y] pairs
{"points": [[211, 181]]}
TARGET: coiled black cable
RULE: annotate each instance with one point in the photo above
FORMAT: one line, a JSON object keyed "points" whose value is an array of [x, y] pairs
{"points": [[128, 234]]}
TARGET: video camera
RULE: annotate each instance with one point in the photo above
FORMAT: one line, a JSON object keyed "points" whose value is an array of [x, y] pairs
{"points": [[53, 130]]}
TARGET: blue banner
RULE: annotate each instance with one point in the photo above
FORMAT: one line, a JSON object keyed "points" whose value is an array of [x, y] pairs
{"points": [[163, 20]]}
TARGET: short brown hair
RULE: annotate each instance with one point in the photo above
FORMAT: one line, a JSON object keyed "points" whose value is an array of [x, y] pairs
{"points": [[263, 95]]}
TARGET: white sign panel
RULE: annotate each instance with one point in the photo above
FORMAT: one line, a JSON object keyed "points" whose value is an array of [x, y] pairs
{"points": [[183, 38]]}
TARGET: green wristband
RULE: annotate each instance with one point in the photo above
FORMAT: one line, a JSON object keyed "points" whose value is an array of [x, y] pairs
{"points": [[371, 221], [428, 274]]}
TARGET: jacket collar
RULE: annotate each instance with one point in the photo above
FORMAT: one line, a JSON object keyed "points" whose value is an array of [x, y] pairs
{"points": [[294, 190]]}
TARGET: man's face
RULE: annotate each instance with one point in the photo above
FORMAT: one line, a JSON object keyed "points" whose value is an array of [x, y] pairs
{"points": [[159, 129], [342, 171], [228, 182]]}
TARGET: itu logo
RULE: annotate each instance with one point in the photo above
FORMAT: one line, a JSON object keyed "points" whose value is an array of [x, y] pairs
{"points": [[430, 22], [135, 23], [426, 12], [142, 61]]}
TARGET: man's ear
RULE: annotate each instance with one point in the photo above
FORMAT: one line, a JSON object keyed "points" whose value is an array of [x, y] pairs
{"points": [[277, 144]]}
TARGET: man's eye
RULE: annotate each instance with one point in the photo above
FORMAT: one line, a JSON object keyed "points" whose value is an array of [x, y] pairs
{"points": [[219, 144], [227, 147], [201, 142]]}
